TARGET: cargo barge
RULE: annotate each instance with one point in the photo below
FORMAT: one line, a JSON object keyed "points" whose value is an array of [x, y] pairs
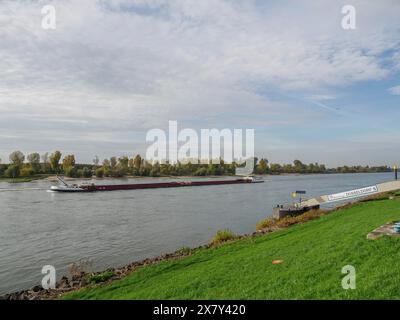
{"points": [[173, 184]]}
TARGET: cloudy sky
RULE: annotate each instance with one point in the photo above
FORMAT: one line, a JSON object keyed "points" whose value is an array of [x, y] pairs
{"points": [[112, 70]]}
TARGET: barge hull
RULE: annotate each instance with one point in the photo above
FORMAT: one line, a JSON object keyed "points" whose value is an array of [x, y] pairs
{"points": [[92, 188]]}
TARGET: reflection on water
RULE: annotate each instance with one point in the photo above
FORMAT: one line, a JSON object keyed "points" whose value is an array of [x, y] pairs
{"points": [[38, 228]]}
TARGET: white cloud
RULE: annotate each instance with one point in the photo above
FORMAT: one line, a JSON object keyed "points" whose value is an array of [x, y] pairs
{"points": [[395, 90], [321, 97]]}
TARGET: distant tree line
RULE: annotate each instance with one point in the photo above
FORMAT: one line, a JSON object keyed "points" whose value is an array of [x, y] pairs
{"points": [[54, 163], [264, 167]]}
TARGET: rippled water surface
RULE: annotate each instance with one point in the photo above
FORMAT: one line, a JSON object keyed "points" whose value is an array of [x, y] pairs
{"points": [[38, 228]]}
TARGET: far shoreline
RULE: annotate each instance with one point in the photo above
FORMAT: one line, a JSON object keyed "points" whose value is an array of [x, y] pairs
{"points": [[53, 177]]}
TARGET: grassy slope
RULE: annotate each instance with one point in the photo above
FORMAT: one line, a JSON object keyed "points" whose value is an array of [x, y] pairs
{"points": [[313, 253]]}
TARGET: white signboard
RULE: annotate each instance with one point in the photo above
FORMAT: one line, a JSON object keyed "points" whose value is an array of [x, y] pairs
{"points": [[353, 193]]}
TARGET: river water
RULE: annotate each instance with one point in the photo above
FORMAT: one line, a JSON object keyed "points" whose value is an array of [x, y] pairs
{"points": [[39, 228]]}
